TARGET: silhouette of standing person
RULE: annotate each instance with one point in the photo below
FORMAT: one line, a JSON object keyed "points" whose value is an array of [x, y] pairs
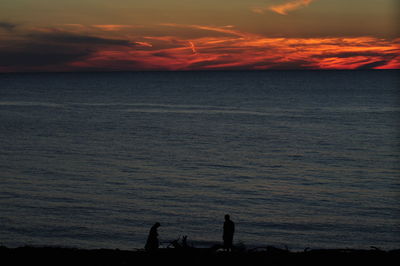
{"points": [[152, 242], [229, 230]]}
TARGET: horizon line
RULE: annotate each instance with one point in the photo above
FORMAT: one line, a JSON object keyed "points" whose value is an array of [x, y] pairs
{"points": [[199, 70]]}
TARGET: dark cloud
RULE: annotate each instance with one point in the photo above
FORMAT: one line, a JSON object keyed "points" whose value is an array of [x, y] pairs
{"points": [[7, 26], [228, 49], [53, 49], [40, 55], [72, 38], [373, 64], [349, 54], [164, 55]]}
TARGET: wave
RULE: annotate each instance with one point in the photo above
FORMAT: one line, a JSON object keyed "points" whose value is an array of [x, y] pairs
{"points": [[196, 111], [146, 108], [28, 104], [190, 106]]}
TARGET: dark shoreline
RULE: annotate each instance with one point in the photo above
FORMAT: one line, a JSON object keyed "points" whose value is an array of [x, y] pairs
{"points": [[195, 256]]}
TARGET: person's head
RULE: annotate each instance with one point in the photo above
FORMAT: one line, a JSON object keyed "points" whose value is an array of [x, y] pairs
{"points": [[227, 217], [156, 225]]}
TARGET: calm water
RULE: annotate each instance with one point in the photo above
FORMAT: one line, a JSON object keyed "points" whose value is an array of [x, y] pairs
{"points": [[303, 159]]}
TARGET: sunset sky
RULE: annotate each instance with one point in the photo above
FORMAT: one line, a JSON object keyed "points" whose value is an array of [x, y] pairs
{"points": [[124, 35]]}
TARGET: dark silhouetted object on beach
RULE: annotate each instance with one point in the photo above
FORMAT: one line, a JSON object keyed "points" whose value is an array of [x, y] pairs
{"points": [[152, 240], [229, 230]]}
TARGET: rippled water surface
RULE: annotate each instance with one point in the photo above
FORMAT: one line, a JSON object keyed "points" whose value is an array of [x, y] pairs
{"points": [[303, 159]]}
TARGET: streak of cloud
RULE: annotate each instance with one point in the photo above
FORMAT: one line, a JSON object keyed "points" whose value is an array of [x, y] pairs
{"points": [[145, 44], [193, 47], [285, 8], [113, 27], [225, 30]]}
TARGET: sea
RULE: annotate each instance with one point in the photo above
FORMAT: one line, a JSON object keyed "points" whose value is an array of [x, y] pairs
{"points": [[299, 159]]}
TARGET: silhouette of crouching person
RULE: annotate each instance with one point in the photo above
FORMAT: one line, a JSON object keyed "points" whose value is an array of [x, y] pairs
{"points": [[229, 230], [152, 242]]}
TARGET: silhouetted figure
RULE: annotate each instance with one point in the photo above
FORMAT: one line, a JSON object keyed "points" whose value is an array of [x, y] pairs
{"points": [[229, 230], [152, 240]]}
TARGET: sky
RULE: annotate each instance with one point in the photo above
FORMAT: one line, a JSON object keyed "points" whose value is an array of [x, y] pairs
{"points": [[134, 35]]}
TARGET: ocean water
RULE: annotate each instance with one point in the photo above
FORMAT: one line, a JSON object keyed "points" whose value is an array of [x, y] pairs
{"points": [[297, 158]]}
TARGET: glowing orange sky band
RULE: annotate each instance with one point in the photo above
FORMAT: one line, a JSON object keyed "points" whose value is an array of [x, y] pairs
{"points": [[259, 53], [221, 48]]}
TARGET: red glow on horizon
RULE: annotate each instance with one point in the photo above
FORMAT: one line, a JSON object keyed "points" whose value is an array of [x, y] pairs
{"points": [[211, 53], [222, 48]]}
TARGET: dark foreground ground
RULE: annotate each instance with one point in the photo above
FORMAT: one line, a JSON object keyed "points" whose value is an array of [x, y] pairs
{"points": [[194, 256]]}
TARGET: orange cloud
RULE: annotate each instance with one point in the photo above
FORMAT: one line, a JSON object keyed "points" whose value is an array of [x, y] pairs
{"points": [[146, 44], [283, 9], [227, 30], [193, 47], [114, 27]]}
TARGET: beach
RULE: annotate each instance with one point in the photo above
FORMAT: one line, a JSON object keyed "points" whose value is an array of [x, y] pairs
{"points": [[195, 256]]}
